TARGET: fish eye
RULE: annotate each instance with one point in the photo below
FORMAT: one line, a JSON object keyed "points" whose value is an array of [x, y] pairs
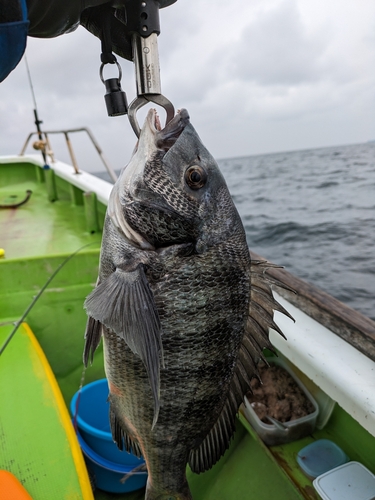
{"points": [[196, 177]]}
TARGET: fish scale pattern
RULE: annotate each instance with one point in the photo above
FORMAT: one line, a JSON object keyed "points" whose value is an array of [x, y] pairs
{"points": [[158, 181], [203, 306], [160, 227]]}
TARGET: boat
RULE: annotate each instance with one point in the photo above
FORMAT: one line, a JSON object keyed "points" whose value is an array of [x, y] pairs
{"points": [[50, 233]]}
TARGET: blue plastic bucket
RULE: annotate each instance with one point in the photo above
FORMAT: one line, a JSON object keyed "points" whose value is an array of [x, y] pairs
{"points": [[93, 423], [109, 476]]}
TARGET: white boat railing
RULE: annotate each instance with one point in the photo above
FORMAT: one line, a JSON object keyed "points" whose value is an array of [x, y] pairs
{"points": [[44, 145]]}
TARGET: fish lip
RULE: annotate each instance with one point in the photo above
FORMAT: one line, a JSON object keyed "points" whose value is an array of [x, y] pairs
{"points": [[166, 137], [152, 121]]}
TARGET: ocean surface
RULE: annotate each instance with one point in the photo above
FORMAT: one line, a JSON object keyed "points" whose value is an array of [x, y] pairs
{"points": [[313, 211]]}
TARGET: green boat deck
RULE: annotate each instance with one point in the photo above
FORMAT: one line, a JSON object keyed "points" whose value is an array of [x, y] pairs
{"points": [[58, 220]]}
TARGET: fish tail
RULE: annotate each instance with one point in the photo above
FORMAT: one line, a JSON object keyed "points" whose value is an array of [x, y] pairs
{"points": [[155, 493]]}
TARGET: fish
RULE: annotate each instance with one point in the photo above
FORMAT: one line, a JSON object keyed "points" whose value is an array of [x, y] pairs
{"points": [[183, 311]]}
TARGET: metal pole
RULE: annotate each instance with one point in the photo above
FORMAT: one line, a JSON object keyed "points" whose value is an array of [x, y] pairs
{"points": [[50, 152], [71, 152], [110, 170], [26, 143]]}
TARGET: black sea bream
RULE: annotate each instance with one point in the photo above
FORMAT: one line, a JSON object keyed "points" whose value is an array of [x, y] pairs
{"points": [[183, 312]]}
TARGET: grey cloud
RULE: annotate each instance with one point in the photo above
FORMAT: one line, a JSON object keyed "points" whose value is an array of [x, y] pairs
{"points": [[276, 49]]}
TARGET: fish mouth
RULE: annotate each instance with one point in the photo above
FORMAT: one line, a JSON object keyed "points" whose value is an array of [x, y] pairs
{"points": [[166, 137]]}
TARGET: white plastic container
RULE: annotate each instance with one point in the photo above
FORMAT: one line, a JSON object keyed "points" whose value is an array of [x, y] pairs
{"points": [[351, 481], [279, 433]]}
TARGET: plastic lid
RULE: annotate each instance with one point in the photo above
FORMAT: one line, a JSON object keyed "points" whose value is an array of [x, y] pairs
{"points": [[320, 457], [351, 481]]}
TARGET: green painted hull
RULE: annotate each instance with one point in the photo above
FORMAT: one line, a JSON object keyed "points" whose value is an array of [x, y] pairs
{"points": [[36, 238]]}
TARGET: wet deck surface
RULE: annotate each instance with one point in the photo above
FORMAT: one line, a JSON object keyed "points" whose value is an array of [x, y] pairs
{"points": [[39, 227]]}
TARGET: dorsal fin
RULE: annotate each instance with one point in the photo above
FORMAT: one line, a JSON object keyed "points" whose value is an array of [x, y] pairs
{"points": [[255, 339]]}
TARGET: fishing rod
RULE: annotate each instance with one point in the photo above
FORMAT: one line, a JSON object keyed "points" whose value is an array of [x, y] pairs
{"points": [[36, 116]]}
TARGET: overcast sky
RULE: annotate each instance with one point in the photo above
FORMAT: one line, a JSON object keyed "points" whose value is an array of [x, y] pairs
{"points": [[257, 76]]}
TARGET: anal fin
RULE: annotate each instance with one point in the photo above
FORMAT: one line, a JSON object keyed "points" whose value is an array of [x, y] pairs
{"points": [[121, 437], [216, 442]]}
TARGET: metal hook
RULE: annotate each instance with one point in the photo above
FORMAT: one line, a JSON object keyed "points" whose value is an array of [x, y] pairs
{"points": [[141, 101], [101, 71]]}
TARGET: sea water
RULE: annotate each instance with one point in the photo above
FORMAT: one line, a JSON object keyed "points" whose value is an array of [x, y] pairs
{"points": [[313, 212]]}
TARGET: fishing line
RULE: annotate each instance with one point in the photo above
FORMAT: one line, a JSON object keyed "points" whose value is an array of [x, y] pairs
{"points": [[75, 416], [28, 309], [30, 82], [128, 475]]}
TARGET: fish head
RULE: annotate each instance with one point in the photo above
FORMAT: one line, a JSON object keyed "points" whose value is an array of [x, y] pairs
{"points": [[172, 190]]}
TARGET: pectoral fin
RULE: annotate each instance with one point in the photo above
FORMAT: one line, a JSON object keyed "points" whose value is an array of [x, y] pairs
{"points": [[124, 302]]}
